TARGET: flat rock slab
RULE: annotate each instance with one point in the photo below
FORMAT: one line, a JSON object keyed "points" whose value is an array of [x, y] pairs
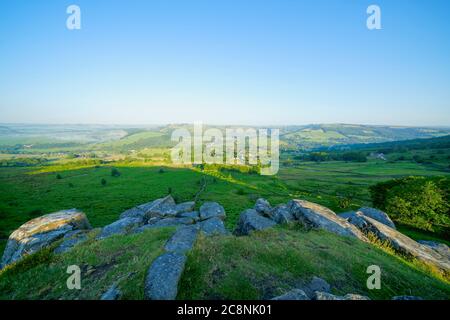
{"points": [[41, 232], [210, 210], [162, 278], [295, 294], [185, 207], [122, 226], [113, 293], [183, 240], [263, 207], [317, 216], [440, 248], [250, 220], [329, 296], [282, 215], [70, 240], [377, 215], [213, 226], [316, 284], [194, 215], [406, 245]]}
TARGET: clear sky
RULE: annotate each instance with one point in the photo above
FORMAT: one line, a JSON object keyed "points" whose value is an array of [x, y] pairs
{"points": [[255, 62]]}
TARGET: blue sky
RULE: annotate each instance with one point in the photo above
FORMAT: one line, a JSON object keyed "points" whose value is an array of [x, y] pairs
{"points": [[260, 62]]}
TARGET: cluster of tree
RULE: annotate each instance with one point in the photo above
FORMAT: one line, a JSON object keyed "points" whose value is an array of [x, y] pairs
{"points": [[421, 202], [333, 156], [251, 169], [23, 162]]}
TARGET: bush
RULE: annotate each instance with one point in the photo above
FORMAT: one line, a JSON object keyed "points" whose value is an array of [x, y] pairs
{"points": [[115, 172], [103, 182], [420, 202], [58, 176], [354, 157]]}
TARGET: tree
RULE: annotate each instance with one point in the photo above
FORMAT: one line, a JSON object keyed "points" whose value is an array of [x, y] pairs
{"points": [[417, 201], [115, 172]]}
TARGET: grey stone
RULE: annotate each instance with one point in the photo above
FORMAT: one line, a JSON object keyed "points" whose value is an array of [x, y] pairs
{"points": [[347, 214], [185, 207], [194, 215], [281, 215], [263, 207], [122, 226], [440, 248], [352, 296], [213, 226], [377, 215], [316, 284], [41, 232], [210, 210], [70, 240], [406, 298], [328, 296], [167, 222], [162, 278], [113, 293], [406, 245], [164, 207], [295, 294], [183, 239], [317, 216], [250, 220], [133, 213]]}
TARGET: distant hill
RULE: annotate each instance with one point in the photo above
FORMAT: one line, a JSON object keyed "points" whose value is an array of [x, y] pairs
{"points": [[326, 135], [127, 138], [393, 146]]}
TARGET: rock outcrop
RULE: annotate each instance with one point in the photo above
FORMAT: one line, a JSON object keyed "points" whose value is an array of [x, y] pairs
{"points": [[113, 293], [282, 215], [294, 294], [373, 213], [41, 232], [161, 282], [251, 220], [263, 207], [212, 210], [122, 226], [71, 239], [162, 278], [440, 248], [317, 216], [402, 243], [183, 239], [329, 296]]}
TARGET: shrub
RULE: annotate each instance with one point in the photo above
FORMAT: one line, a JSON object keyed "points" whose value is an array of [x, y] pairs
{"points": [[103, 182], [58, 176], [115, 172], [417, 201]]}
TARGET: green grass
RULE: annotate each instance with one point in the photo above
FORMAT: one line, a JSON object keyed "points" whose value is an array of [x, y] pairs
{"points": [[26, 193], [269, 263], [120, 259]]}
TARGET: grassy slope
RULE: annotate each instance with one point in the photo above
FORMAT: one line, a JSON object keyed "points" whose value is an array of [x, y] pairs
{"points": [[121, 259], [269, 263], [260, 266], [25, 194]]}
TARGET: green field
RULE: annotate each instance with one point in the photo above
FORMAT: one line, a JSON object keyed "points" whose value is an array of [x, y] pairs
{"points": [[26, 193]]}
